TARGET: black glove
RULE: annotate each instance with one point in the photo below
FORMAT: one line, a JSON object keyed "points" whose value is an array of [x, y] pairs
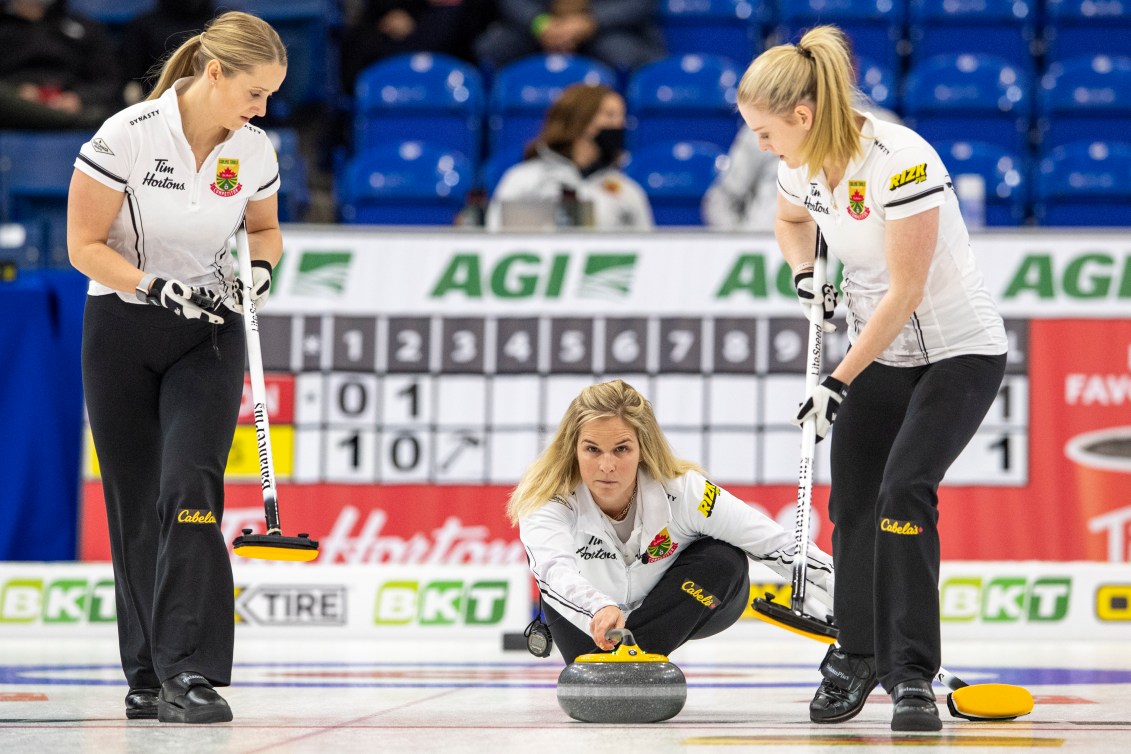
{"points": [[185, 301], [262, 274], [803, 282], [823, 405]]}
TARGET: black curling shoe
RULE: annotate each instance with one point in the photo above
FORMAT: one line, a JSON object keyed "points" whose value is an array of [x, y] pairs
{"points": [[848, 681], [141, 704], [914, 707], [190, 698]]}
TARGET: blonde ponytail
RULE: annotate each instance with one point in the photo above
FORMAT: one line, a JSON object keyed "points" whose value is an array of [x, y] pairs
{"points": [[817, 71], [238, 41]]}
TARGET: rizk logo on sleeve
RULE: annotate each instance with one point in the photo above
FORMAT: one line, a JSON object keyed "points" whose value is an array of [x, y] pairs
{"points": [[710, 495], [916, 174]]}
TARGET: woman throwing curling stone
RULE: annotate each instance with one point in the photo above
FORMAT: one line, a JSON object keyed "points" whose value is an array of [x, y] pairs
{"points": [[619, 532], [927, 358], [155, 196]]}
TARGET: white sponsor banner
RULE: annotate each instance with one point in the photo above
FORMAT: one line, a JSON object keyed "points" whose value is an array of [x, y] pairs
{"points": [[288, 599], [331, 269]]}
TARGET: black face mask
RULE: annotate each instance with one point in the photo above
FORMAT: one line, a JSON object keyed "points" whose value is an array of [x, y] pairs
{"points": [[610, 142]]}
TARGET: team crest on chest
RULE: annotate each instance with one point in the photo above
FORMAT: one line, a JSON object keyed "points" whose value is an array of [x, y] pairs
{"points": [[227, 177], [856, 193]]}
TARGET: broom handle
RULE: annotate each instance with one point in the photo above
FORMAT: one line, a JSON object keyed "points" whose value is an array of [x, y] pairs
{"points": [[258, 388], [808, 434]]}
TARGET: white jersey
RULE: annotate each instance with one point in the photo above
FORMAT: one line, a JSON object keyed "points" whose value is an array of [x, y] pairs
{"points": [[899, 175], [175, 221], [618, 201], [580, 564]]}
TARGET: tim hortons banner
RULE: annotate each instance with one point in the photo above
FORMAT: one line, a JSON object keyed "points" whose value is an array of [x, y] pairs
{"points": [[412, 377]]}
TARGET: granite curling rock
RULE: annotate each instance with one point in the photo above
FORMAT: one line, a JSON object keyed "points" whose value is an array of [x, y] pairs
{"points": [[627, 685]]}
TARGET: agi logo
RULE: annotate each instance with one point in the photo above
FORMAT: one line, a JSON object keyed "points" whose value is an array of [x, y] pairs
{"points": [[322, 274]]}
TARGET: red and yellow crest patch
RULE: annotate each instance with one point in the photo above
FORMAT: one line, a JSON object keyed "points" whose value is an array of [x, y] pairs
{"points": [[661, 546], [857, 190], [227, 177]]}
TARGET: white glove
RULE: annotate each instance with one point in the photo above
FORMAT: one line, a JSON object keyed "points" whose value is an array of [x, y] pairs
{"points": [[823, 404], [818, 577], [185, 301], [261, 275], [803, 282]]}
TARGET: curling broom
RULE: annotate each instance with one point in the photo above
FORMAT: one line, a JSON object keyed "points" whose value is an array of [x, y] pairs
{"points": [[272, 545]]}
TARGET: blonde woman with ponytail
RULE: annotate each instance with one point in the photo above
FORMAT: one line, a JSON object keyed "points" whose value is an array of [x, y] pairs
{"points": [[155, 196], [619, 532], [927, 358]]}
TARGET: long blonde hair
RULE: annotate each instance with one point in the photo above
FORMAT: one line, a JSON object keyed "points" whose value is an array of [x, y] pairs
{"points": [[555, 472], [238, 41], [817, 71]]}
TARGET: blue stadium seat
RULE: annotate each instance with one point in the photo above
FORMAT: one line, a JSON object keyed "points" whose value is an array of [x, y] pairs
{"points": [[294, 189], [22, 245], [683, 98], [525, 89], [958, 98], [113, 13], [1085, 184], [1085, 98], [305, 28], [675, 175], [1085, 27], [1003, 173], [423, 97], [875, 27], [492, 169], [404, 183], [1006, 28], [731, 28], [878, 82], [35, 173]]}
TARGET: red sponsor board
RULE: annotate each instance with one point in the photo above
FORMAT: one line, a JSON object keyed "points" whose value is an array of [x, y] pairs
{"points": [[1075, 505], [280, 399]]}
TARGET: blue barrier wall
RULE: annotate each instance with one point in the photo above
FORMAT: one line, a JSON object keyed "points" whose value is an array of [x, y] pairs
{"points": [[40, 414]]}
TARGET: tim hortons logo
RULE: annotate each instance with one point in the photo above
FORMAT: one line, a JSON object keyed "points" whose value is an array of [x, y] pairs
{"points": [[900, 527], [186, 516], [352, 540]]}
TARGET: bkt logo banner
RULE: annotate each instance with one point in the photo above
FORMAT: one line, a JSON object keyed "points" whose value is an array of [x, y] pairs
{"points": [[57, 601], [441, 603], [1005, 599]]}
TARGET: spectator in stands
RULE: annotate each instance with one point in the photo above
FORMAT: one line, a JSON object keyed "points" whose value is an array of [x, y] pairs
{"points": [[574, 161], [620, 33], [391, 27], [148, 39], [744, 195], [58, 70]]}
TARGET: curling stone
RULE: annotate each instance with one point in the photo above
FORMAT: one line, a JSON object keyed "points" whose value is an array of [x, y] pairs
{"points": [[627, 685]]}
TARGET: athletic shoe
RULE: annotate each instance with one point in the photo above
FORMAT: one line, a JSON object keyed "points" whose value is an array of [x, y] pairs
{"points": [[848, 680], [190, 698], [914, 707], [141, 704]]}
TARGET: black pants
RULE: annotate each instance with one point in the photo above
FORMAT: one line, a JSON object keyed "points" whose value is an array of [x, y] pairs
{"points": [[163, 396], [896, 434], [670, 615]]}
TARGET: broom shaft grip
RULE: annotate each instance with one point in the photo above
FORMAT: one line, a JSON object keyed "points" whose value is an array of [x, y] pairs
{"points": [[258, 386], [808, 434]]}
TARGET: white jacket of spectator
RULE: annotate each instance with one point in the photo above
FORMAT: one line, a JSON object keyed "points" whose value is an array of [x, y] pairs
{"points": [[619, 203], [744, 195]]}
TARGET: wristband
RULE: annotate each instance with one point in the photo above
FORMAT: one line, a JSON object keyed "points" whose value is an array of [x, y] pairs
{"points": [[142, 289], [539, 24]]}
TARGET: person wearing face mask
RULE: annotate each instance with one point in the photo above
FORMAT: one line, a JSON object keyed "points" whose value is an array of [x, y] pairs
{"points": [[575, 157], [620, 532], [57, 71], [154, 198]]}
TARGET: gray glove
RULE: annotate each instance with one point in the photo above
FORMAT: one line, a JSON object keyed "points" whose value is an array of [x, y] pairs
{"points": [[803, 282]]}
